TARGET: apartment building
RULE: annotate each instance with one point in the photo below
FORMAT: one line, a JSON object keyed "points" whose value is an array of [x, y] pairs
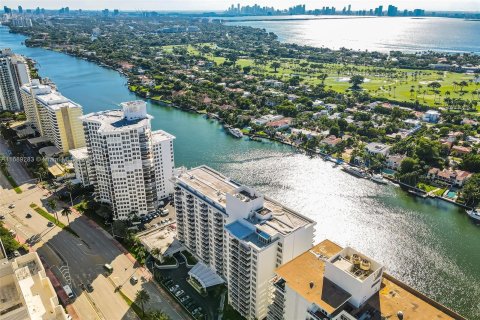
{"points": [[54, 116], [25, 290], [80, 165], [14, 73], [130, 165], [331, 282], [238, 233]]}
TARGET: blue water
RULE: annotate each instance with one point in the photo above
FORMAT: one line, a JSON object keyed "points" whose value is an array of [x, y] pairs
{"points": [[376, 33]]}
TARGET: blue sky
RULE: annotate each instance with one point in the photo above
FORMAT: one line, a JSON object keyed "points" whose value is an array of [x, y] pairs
{"points": [[460, 5]]}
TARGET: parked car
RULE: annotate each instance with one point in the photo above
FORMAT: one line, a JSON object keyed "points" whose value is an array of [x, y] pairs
{"points": [[11, 206], [185, 299], [28, 215], [2, 217], [50, 224], [16, 254], [164, 213], [133, 280], [174, 288]]}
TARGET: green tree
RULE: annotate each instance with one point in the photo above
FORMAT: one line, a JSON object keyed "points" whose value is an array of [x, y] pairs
{"points": [[427, 150], [52, 203], [408, 165], [356, 81], [471, 163], [141, 298], [471, 191], [66, 212], [275, 65], [156, 315]]}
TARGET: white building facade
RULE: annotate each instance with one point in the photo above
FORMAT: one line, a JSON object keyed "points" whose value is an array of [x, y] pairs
{"points": [[239, 233], [80, 165], [14, 73], [130, 165]]}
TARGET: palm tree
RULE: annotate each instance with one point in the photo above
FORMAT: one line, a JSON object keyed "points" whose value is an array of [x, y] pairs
{"points": [[142, 297], [155, 253], [52, 203], [66, 212], [69, 186]]}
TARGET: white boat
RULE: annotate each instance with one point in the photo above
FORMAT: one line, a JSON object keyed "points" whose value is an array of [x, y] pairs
{"points": [[237, 133], [378, 178], [355, 171], [474, 214]]}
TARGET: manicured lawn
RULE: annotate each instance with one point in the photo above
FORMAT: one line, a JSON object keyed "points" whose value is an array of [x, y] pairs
{"points": [[393, 84], [425, 187]]}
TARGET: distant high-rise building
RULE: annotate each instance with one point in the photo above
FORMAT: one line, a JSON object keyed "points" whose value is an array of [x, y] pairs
{"points": [[392, 11], [20, 9], [54, 116], [418, 12], [14, 73], [238, 234], [130, 166]]}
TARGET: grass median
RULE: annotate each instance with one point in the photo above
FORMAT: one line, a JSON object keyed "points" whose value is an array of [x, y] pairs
{"points": [[12, 181], [52, 219]]}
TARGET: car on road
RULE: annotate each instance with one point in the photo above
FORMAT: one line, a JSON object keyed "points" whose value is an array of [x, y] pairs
{"points": [[89, 287], [28, 215], [2, 217], [68, 291], [50, 224], [133, 280], [108, 268], [11, 206], [179, 293]]}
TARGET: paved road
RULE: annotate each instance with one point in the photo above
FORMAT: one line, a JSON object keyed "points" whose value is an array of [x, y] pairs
{"points": [[75, 260]]}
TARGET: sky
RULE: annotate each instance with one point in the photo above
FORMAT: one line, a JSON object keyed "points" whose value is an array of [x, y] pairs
{"points": [[216, 5]]}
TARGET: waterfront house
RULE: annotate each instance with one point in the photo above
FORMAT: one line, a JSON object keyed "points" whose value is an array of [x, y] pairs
{"points": [[267, 118], [281, 124], [453, 177], [331, 141], [394, 161], [375, 148]]}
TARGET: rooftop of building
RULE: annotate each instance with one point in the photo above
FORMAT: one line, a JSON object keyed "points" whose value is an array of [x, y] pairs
{"points": [[305, 275], [114, 120], [279, 219], [160, 135], [26, 292], [80, 153]]}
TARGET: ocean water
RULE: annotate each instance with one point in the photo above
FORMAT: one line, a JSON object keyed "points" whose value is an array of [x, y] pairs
{"points": [[373, 33]]}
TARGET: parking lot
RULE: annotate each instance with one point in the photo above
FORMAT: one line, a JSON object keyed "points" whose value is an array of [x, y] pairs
{"points": [[163, 216], [201, 307]]}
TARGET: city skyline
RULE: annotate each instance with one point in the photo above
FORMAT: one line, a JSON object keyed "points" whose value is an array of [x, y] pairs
{"points": [[220, 5]]}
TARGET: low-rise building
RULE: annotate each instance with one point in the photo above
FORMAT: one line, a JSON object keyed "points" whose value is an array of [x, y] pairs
{"points": [[431, 116], [331, 282], [394, 161], [460, 150], [281, 124], [453, 177], [25, 290], [331, 141], [375, 148]]}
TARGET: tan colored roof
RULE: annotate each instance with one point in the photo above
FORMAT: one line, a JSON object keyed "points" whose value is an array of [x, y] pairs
{"points": [[394, 296], [307, 268]]}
